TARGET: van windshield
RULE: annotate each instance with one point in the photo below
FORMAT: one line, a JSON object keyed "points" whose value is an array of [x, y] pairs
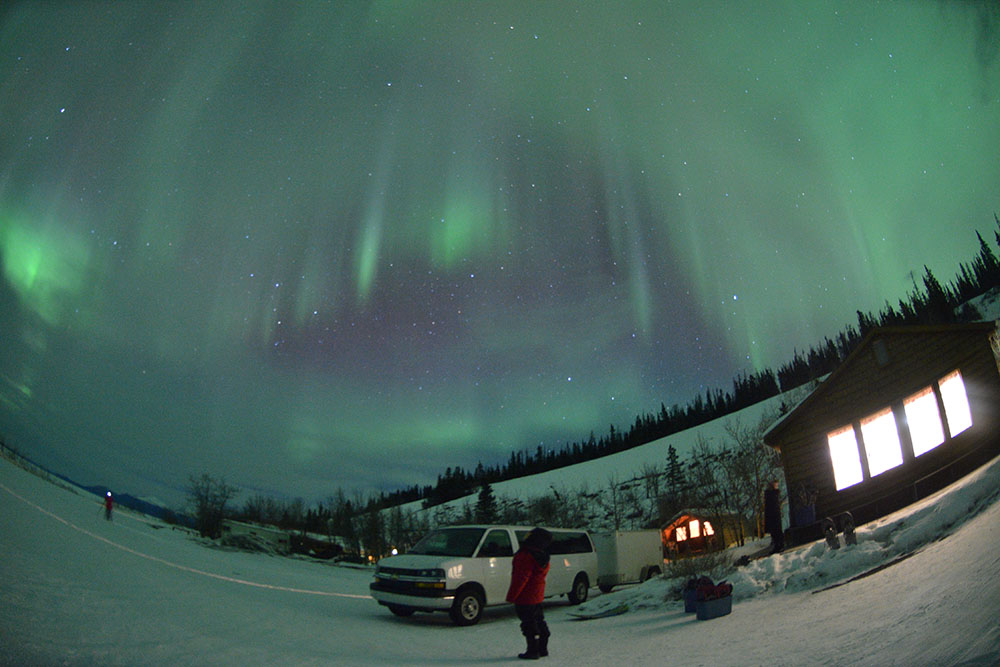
{"points": [[449, 542]]}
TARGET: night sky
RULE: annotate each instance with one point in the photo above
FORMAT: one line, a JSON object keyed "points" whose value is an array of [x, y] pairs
{"points": [[306, 245]]}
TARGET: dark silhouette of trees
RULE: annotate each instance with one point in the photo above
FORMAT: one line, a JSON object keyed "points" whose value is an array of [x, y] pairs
{"points": [[208, 497], [486, 505]]}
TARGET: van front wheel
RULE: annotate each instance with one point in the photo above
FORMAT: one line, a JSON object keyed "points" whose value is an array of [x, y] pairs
{"points": [[400, 610], [467, 608], [581, 586]]}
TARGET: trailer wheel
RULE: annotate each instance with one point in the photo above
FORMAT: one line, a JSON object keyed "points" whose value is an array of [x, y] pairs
{"points": [[605, 588], [581, 587], [467, 608], [652, 572]]}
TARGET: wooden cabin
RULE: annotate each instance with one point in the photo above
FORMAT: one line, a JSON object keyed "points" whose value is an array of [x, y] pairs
{"points": [[911, 410], [694, 532]]}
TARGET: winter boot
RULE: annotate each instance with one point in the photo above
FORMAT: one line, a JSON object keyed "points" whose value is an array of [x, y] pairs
{"points": [[532, 652], [543, 639]]}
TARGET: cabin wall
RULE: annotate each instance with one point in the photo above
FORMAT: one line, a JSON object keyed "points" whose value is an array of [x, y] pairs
{"points": [[891, 368]]}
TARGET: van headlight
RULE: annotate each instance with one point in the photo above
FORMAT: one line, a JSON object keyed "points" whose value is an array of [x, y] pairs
{"points": [[431, 574], [435, 575]]}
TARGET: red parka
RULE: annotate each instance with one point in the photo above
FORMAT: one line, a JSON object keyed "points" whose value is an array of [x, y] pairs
{"points": [[527, 579]]}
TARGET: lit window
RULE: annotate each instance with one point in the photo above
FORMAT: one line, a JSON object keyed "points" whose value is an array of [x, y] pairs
{"points": [[881, 442], [695, 529], [845, 457], [956, 403], [924, 421], [707, 527], [682, 533]]}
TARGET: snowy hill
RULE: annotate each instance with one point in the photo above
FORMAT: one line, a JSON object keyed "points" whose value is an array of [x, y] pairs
{"points": [[629, 465], [81, 590]]}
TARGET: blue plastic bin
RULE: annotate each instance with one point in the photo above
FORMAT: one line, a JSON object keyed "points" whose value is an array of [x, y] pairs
{"points": [[706, 609]]}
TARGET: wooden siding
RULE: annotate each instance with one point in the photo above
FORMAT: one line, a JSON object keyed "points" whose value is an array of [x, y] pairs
{"points": [[890, 365]]}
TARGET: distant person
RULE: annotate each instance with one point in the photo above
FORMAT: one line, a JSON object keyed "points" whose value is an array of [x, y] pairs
{"points": [[527, 590], [108, 503], [772, 517]]}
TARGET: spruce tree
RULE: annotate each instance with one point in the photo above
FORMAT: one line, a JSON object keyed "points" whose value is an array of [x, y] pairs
{"points": [[675, 472], [486, 505], [938, 308], [990, 267]]}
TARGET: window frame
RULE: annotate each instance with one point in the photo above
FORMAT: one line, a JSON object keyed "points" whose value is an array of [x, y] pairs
{"points": [[882, 443]]}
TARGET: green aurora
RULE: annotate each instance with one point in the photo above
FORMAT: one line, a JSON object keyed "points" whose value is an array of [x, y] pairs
{"points": [[311, 245]]}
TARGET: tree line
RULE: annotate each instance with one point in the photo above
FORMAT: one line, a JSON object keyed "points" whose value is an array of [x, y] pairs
{"points": [[928, 303], [724, 479], [368, 521]]}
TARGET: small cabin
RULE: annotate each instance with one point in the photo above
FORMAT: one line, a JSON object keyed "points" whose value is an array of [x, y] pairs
{"points": [[911, 410], [694, 532]]}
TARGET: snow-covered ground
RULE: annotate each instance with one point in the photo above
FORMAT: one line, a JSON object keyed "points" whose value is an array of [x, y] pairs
{"points": [[77, 589]]}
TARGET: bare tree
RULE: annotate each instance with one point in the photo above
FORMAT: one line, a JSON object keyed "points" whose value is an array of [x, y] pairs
{"points": [[254, 508], [373, 534], [208, 497], [511, 510], [710, 489], [751, 466], [613, 503], [652, 478], [445, 515], [397, 529], [574, 506], [544, 510], [343, 523]]}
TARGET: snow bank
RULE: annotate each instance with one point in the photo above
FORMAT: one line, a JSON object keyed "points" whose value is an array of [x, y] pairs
{"points": [[816, 566]]}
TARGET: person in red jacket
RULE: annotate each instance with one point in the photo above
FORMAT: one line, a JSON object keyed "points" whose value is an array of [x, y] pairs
{"points": [[527, 590]]}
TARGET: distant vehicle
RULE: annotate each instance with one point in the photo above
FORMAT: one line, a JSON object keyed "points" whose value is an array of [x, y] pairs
{"points": [[463, 569], [627, 557]]}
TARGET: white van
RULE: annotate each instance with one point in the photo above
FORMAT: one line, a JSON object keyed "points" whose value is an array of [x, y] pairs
{"points": [[462, 569]]}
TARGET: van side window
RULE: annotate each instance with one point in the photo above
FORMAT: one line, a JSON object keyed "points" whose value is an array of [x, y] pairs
{"points": [[496, 544], [570, 543]]}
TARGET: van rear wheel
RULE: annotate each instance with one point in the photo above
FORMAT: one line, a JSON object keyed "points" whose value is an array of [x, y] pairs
{"points": [[581, 586], [467, 608]]}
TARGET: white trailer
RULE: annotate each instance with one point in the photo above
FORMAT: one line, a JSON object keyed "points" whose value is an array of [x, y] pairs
{"points": [[627, 557]]}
